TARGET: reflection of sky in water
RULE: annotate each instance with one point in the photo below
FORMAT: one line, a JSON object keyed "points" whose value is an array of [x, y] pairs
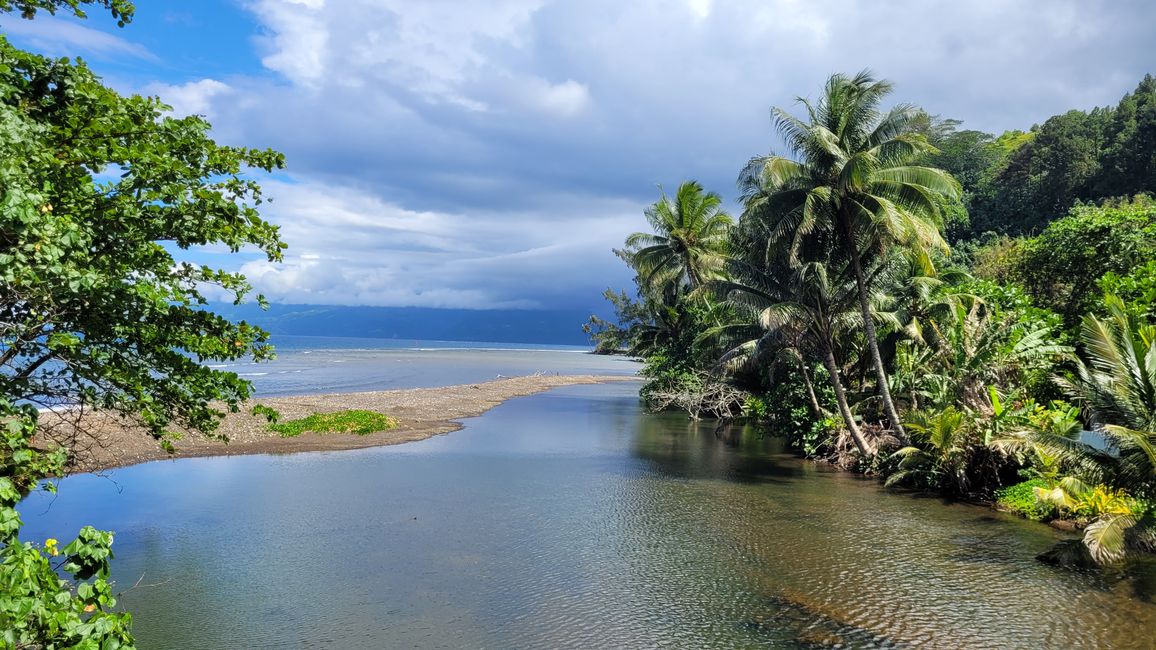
{"points": [[571, 519], [311, 364]]}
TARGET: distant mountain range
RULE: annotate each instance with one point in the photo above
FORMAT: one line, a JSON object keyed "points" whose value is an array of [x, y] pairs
{"points": [[558, 327]]}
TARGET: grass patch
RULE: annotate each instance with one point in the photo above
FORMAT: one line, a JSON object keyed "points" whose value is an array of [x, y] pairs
{"points": [[353, 421], [1021, 498]]}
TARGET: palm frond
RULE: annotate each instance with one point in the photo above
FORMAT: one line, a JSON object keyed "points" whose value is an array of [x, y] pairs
{"points": [[1106, 537]]}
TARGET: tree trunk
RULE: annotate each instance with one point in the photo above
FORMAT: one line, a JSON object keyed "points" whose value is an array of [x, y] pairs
{"points": [[872, 343], [816, 410], [844, 408], [691, 276]]}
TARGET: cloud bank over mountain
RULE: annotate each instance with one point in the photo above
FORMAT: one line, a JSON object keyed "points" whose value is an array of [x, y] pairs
{"points": [[455, 154]]}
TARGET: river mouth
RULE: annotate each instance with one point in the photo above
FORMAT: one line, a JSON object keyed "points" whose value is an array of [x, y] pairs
{"points": [[573, 519]]}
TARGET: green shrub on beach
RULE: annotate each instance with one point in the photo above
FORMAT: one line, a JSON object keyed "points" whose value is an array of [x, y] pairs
{"points": [[352, 421]]}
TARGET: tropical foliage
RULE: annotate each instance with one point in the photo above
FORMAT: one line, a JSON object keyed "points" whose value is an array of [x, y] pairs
{"points": [[1018, 182], [838, 315], [689, 241], [853, 186]]}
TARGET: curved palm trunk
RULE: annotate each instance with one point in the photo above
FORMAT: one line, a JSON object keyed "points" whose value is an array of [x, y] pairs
{"points": [[844, 407], [816, 410], [872, 342]]}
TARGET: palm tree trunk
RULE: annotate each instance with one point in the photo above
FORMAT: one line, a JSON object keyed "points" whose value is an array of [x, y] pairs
{"points": [[691, 275], [815, 408], [872, 342], [844, 407]]}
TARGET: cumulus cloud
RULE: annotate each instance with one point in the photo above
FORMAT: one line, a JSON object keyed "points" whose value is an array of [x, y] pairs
{"points": [[192, 98], [484, 154]]}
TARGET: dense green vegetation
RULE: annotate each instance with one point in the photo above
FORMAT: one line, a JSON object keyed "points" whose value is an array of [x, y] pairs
{"points": [[1018, 182], [351, 421], [98, 192], [833, 311]]}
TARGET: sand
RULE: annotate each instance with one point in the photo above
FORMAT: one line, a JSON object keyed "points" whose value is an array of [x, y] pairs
{"points": [[421, 413]]}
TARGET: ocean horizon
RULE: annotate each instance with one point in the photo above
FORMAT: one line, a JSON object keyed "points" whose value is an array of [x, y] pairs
{"points": [[310, 365]]}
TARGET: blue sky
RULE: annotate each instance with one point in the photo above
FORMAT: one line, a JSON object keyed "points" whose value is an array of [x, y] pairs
{"points": [[465, 154]]}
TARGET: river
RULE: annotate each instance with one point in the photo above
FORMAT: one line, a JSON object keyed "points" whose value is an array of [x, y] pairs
{"points": [[573, 519]]}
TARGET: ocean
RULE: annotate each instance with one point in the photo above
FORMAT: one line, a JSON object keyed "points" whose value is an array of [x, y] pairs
{"points": [[315, 364]]}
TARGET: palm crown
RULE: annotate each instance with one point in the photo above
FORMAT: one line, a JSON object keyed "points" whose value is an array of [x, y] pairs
{"points": [[689, 240], [853, 171]]}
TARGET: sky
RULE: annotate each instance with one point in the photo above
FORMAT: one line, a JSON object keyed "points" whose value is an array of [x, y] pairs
{"points": [[491, 154]]}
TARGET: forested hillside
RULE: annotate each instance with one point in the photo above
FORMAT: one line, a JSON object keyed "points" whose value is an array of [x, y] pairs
{"points": [[1019, 181]]}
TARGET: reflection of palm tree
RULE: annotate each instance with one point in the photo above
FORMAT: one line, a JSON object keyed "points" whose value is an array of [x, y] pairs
{"points": [[689, 240], [853, 182]]}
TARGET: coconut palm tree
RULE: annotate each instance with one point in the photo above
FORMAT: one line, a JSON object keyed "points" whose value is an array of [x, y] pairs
{"points": [[923, 296], [853, 180], [804, 309], [689, 242], [943, 458]]}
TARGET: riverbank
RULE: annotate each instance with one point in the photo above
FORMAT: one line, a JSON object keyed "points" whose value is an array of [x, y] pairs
{"points": [[421, 413], [576, 496]]}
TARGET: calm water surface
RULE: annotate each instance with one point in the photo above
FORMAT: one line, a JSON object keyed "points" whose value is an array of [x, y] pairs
{"points": [[308, 364], [571, 519]]}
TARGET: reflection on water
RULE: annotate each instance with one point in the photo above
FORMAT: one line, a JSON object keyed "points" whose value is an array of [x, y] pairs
{"points": [[571, 519]]}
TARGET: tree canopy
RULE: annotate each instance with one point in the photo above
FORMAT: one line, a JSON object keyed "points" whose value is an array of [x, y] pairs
{"points": [[99, 308], [121, 10], [1020, 181], [99, 191]]}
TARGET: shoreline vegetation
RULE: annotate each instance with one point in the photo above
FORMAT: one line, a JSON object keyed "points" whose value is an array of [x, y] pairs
{"points": [[946, 310], [108, 442]]}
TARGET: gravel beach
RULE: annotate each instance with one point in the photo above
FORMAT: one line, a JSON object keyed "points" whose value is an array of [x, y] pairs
{"points": [[421, 413]]}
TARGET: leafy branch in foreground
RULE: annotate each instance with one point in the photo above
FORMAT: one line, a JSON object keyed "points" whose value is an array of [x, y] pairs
{"points": [[121, 10], [99, 194], [38, 608]]}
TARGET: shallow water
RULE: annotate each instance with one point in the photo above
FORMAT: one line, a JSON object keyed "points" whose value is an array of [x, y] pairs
{"points": [[572, 519]]}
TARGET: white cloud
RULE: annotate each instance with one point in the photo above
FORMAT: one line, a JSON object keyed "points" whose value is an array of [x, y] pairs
{"points": [[699, 8], [60, 37], [298, 39], [429, 48], [347, 246], [192, 98], [473, 154], [565, 99]]}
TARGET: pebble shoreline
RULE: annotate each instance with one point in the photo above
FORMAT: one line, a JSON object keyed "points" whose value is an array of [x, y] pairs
{"points": [[421, 413]]}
